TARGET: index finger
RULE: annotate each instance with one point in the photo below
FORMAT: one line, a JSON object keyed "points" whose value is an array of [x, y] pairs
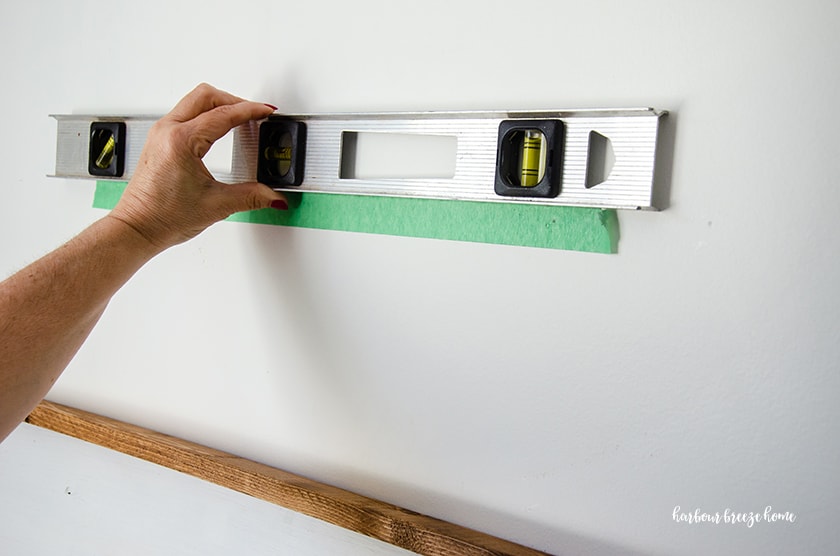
{"points": [[201, 99], [210, 126]]}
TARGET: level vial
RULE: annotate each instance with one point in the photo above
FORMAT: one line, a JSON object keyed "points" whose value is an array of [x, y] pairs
{"points": [[281, 155], [532, 158], [106, 155]]}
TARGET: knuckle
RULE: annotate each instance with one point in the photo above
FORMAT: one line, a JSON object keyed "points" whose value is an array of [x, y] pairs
{"points": [[250, 198], [178, 133], [225, 111], [254, 201], [174, 137], [204, 88], [168, 140]]}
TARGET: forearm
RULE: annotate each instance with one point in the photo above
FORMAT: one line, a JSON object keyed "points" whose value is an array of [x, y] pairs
{"points": [[49, 308]]}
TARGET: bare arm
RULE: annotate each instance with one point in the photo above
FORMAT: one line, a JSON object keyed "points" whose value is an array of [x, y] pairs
{"points": [[48, 309]]}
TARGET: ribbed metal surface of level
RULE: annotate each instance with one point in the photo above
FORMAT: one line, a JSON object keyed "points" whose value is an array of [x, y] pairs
{"points": [[632, 134]]}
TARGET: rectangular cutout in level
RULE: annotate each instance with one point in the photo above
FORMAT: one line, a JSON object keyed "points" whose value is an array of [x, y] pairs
{"points": [[380, 155], [220, 156]]}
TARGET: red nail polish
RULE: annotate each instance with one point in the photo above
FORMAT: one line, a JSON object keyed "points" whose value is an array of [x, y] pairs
{"points": [[279, 205], [271, 106]]}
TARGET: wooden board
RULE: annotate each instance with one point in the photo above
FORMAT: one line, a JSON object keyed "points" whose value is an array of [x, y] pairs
{"points": [[392, 524]]}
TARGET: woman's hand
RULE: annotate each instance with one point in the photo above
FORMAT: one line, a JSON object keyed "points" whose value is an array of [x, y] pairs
{"points": [[172, 197]]}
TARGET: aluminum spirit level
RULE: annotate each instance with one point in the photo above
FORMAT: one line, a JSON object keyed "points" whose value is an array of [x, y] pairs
{"points": [[559, 157]]}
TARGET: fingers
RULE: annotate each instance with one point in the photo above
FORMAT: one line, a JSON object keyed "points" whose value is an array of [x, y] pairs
{"points": [[201, 99], [172, 197], [210, 113], [209, 127], [231, 198], [204, 116]]}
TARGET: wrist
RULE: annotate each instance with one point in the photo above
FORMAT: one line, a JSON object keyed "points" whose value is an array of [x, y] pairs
{"points": [[130, 239]]}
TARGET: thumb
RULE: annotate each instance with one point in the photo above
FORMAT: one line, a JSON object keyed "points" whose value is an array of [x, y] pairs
{"points": [[240, 197]]}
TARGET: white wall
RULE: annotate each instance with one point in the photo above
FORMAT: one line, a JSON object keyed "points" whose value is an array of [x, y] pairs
{"points": [[696, 368], [81, 499]]}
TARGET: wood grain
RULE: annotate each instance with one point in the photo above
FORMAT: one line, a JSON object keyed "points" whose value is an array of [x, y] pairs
{"points": [[392, 524]]}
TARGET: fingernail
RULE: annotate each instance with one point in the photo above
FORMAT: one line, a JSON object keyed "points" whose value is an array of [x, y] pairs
{"points": [[271, 106], [280, 205]]}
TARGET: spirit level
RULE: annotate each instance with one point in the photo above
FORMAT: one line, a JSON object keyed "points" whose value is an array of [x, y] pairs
{"points": [[540, 157]]}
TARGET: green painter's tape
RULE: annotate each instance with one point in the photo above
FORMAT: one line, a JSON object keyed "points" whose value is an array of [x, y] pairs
{"points": [[572, 228]]}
